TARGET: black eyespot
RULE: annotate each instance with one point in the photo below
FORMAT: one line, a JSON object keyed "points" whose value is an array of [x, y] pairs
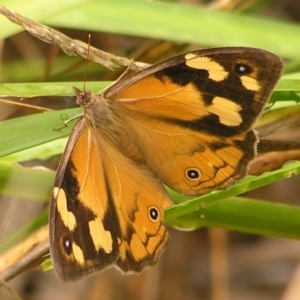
{"points": [[193, 174], [242, 69], [153, 213], [67, 245]]}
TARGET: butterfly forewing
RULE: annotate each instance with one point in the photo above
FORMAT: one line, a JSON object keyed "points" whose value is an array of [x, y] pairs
{"points": [[219, 91], [78, 203]]}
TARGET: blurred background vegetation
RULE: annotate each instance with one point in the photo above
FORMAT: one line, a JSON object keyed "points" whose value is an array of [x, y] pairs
{"points": [[202, 264]]}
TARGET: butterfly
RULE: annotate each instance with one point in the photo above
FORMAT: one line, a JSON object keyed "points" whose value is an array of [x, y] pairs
{"points": [[186, 123]]}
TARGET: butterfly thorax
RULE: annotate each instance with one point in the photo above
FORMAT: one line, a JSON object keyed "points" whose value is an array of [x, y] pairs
{"points": [[100, 113]]}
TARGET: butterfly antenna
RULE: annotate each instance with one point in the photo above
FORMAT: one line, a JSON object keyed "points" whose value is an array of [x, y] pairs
{"points": [[87, 60]]}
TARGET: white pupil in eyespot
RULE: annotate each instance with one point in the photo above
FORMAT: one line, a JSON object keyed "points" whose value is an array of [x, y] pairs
{"points": [[67, 245], [193, 174]]}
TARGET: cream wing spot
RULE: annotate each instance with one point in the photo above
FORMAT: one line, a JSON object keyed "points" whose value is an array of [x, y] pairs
{"points": [[67, 217], [215, 71], [189, 56], [78, 254], [227, 111], [102, 238], [250, 83]]}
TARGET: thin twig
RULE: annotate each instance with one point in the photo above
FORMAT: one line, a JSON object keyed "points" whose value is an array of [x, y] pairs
{"points": [[68, 45]]}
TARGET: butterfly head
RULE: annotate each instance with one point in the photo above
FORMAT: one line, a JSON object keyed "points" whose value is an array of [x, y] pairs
{"points": [[82, 97]]}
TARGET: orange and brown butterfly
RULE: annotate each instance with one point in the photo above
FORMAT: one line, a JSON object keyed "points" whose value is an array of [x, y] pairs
{"points": [[186, 122]]}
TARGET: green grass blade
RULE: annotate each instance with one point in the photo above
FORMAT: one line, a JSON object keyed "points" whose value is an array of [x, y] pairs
{"points": [[202, 26], [246, 215]]}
